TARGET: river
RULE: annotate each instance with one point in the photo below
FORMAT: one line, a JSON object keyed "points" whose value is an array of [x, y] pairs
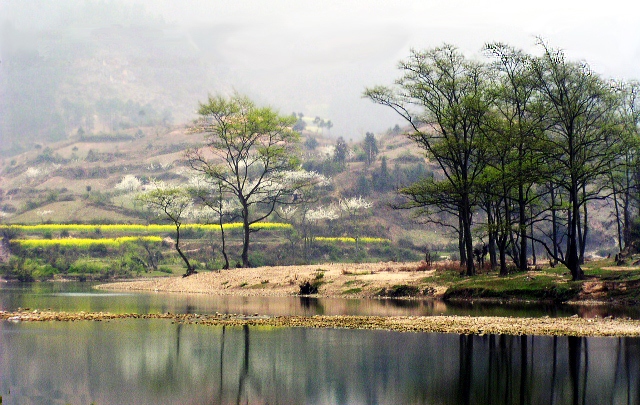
{"points": [[156, 361]]}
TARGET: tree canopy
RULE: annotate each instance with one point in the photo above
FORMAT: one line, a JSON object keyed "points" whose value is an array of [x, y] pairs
{"points": [[529, 140], [254, 153]]}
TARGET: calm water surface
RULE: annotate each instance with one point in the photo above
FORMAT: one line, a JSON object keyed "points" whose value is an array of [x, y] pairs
{"points": [[157, 362], [82, 297]]}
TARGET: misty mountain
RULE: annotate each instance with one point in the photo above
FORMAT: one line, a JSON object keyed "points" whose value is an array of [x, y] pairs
{"points": [[80, 71], [104, 66]]}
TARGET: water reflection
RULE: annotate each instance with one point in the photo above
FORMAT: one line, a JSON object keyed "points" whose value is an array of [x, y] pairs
{"points": [[141, 362], [81, 297]]}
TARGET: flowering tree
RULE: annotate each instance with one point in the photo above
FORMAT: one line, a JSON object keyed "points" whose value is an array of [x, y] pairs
{"points": [[307, 216], [43, 213], [129, 183], [174, 203], [303, 212], [353, 209], [254, 157], [212, 195]]}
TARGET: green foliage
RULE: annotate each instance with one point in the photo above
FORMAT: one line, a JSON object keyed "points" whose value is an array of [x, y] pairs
{"points": [[340, 153], [165, 269], [381, 179], [87, 266], [370, 147], [310, 143], [363, 186]]}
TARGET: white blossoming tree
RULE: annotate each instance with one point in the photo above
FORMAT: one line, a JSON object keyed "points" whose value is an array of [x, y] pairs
{"points": [[43, 213], [212, 195], [354, 209], [307, 217], [303, 212], [174, 204], [129, 183]]}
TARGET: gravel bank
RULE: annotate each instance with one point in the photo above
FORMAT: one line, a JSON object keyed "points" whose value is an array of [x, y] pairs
{"points": [[440, 324]]}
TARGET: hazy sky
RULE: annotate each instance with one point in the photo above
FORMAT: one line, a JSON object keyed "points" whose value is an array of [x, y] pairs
{"points": [[317, 57]]}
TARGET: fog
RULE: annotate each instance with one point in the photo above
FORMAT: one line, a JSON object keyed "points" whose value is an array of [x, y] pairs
{"points": [[112, 65]]}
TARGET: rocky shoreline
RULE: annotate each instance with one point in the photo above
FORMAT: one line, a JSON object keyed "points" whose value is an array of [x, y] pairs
{"points": [[467, 325]]}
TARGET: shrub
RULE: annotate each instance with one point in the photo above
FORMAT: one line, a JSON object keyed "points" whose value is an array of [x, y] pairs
{"points": [[86, 266], [308, 288], [44, 272], [401, 290]]}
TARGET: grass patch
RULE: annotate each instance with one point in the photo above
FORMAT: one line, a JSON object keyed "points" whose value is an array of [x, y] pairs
{"points": [[549, 285], [356, 290]]}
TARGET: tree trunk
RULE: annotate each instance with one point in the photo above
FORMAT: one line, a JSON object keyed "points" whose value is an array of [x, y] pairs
{"points": [[572, 259], [502, 246], [626, 214], [247, 232], [468, 237], [533, 243], [224, 246], [461, 249], [585, 226], [522, 213], [626, 224], [190, 270], [491, 222], [616, 206], [554, 223]]}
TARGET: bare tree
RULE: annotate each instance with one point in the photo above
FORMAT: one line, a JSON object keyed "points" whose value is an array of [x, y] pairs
{"points": [[174, 204]]}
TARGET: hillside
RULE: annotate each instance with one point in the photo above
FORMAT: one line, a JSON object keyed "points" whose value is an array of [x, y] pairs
{"points": [[77, 180], [80, 180]]}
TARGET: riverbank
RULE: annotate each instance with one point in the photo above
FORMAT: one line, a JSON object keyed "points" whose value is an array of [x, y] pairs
{"points": [[604, 284], [350, 280], [573, 326]]}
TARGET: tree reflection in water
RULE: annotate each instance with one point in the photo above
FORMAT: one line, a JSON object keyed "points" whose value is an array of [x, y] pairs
{"points": [[540, 370], [141, 362]]}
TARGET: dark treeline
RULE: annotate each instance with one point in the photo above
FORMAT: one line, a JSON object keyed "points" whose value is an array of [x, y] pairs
{"points": [[525, 145]]}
